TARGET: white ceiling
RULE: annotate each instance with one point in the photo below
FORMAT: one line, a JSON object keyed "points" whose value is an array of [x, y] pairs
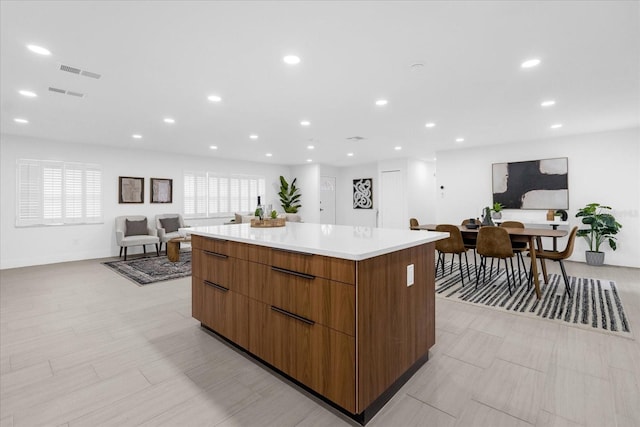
{"points": [[162, 59]]}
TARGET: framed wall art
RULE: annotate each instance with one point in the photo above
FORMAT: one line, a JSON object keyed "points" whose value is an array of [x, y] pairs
{"points": [[363, 193], [130, 190], [161, 190], [535, 184]]}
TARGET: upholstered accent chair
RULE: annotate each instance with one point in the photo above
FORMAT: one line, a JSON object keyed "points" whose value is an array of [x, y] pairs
{"points": [[133, 230], [451, 245], [167, 226], [494, 242]]}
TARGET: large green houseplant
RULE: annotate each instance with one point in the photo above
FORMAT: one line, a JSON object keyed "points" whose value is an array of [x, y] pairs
{"points": [[602, 227], [289, 196]]}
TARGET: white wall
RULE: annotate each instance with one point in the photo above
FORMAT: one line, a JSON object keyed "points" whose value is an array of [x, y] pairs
{"points": [[309, 183], [421, 187], [603, 168], [22, 246]]}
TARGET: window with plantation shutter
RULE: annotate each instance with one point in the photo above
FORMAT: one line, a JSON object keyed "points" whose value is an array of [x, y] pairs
{"points": [[208, 194], [57, 193]]}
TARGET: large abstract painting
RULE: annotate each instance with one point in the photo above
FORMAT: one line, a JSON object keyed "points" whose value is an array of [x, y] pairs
{"points": [[535, 184], [363, 193]]}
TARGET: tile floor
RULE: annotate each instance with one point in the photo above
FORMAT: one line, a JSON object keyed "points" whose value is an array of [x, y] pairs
{"points": [[82, 346]]}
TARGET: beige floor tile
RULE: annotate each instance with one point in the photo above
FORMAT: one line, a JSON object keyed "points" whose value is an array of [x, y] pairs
{"points": [[584, 351], [454, 317], [510, 388], [626, 394], [409, 412], [142, 406], [478, 415], [476, 348], [81, 401], [525, 350], [546, 419], [444, 341], [24, 377], [445, 383], [579, 397], [6, 421], [492, 322]]}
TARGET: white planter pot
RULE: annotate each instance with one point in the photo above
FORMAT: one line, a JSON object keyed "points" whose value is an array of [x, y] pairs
{"points": [[594, 258]]}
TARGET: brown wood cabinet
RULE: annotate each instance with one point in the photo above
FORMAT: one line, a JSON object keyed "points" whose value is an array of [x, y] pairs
{"points": [[351, 331]]}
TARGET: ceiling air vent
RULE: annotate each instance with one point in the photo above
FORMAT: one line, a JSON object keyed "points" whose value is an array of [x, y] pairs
{"points": [[79, 71], [355, 138], [66, 92]]}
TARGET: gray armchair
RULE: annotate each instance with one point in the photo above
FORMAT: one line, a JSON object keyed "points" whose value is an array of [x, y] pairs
{"points": [[133, 230], [169, 229]]}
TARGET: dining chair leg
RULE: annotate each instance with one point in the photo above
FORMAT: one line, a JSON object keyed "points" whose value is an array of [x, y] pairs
{"points": [[482, 261], [466, 260], [451, 269], [564, 275], [459, 266], [506, 271]]}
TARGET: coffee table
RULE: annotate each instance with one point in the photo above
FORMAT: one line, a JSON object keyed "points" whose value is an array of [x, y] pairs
{"points": [[173, 247]]}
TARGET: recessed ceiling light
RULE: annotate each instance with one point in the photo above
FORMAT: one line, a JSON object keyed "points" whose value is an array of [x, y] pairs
{"points": [[136, 136], [20, 120], [305, 123], [169, 120], [253, 136], [38, 49], [27, 93], [548, 103], [309, 160], [214, 98], [430, 125], [291, 59], [350, 154], [459, 139], [310, 147], [556, 126], [381, 102], [268, 154], [397, 148], [213, 147], [530, 63]]}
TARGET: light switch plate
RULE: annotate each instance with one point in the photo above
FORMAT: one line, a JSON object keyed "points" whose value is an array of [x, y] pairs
{"points": [[409, 274]]}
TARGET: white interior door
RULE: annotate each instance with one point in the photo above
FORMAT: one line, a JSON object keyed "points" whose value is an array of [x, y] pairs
{"points": [[327, 200], [391, 201]]}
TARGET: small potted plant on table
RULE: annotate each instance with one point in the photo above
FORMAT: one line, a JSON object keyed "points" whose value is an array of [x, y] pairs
{"points": [[497, 209], [602, 227]]}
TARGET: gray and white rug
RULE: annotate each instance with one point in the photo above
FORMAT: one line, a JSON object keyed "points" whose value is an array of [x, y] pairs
{"points": [[593, 303], [153, 269]]}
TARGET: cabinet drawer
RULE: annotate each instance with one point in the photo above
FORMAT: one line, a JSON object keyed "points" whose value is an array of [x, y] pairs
{"points": [[219, 246], [226, 312], [317, 356], [341, 270], [323, 301], [221, 269]]}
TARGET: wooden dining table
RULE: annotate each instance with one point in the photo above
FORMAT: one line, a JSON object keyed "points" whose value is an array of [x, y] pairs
{"points": [[533, 236]]}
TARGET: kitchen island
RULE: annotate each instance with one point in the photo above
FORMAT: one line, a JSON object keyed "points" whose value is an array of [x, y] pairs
{"points": [[347, 312]]}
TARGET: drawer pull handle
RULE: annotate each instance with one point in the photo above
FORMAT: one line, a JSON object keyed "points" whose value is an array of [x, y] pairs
{"points": [[216, 286], [292, 252], [295, 316], [294, 273], [216, 254]]}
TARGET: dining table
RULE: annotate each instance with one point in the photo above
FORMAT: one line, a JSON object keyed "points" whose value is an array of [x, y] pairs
{"points": [[533, 236]]}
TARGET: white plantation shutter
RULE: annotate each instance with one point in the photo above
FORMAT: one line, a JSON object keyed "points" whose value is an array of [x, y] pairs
{"points": [[51, 192], [208, 194]]}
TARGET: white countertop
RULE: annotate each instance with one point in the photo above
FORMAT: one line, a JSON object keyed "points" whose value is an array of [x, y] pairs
{"points": [[340, 241]]}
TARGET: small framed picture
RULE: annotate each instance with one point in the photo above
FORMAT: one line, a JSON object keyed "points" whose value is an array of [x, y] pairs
{"points": [[130, 190], [161, 190]]}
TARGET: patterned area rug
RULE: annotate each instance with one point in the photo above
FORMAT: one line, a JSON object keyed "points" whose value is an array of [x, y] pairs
{"points": [[592, 304], [153, 269]]}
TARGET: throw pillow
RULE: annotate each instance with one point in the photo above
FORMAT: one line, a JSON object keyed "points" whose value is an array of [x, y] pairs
{"points": [[136, 228], [238, 218], [170, 225]]}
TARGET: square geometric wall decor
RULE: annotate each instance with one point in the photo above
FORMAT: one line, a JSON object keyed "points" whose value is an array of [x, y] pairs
{"points": [[363, 193]]}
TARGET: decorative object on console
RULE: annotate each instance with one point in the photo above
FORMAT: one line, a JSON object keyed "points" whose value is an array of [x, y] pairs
{"points": [[551, 215], [486, 217], [161, 190], [268, 222], [602, 227], [130, 189], [497, 210], [363, 193], [536, 184], [289, 195], [562, 214]]}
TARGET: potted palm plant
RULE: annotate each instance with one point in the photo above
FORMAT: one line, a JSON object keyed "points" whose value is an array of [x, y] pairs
{"points": [[289, 196], [602, 227]]}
